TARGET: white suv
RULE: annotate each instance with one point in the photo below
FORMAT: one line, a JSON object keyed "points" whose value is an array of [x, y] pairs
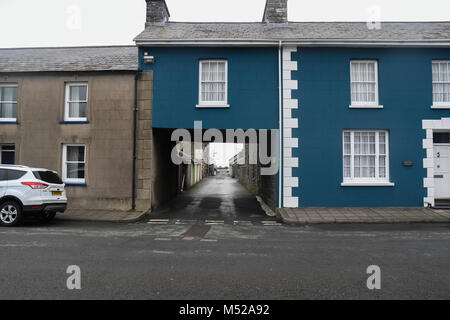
{"points": [[25, 190]]}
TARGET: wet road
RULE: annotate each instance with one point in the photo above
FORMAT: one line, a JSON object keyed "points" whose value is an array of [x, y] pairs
{"points": [[217, 244], [218, 198]]}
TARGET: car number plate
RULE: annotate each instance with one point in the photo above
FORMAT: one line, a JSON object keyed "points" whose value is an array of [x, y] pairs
{"points": [[57, 193]]}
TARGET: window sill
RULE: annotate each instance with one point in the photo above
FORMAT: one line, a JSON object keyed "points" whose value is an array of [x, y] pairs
{"points": [[208, 106], [367, 184], [365, 106], [74, 122], [434, 106], [75, 184], [9, 122]]}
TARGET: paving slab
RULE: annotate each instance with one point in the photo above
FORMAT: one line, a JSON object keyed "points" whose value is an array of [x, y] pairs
{"points": [[102, 215], [305, 216]]}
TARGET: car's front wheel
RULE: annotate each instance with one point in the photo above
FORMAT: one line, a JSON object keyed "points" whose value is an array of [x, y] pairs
{"points": [[10, 214]]}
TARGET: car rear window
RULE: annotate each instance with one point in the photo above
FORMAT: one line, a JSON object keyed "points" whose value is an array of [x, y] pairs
{"points": [[48, 176], [15, 174]]}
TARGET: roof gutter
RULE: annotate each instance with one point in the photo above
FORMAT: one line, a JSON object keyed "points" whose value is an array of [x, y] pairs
{"points": [[302, 43]]}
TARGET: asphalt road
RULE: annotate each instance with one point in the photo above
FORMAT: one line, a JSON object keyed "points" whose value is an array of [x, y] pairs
{"points": [[145, 261], [173, 257]]}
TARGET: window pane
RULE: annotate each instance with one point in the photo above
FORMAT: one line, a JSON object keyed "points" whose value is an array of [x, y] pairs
{"points": [[75, 170], [78, 93], [8, 94], [441, 137], [77, 109], [8, 110], [7, 155], [75, 153], [363, 86]]}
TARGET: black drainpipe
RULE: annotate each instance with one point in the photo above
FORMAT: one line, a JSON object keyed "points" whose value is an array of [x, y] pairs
{"points": [[135, 110]]}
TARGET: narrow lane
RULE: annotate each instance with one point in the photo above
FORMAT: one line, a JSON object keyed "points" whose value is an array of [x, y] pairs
{"points": [[216, 199]]}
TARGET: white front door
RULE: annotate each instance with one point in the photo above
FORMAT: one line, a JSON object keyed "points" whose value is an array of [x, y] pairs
{"points": [[441, 171]]}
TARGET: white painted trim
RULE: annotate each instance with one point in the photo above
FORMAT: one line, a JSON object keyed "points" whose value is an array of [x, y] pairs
{"points": [[211, 104], [64, 159], [294, 43], [428, 163], [357, 106], [217, 106], [367, 184], [352, 181], [365, 104], [16, 103], [289, 122], [66, 101], [438, 106]]}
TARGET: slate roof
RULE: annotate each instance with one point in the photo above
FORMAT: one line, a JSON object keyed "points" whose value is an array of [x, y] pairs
{"points": [[108, 58], [423, 32]]}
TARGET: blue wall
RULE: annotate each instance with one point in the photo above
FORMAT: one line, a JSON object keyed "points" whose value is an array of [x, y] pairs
{"points": [[252, 88], [405, 91]]}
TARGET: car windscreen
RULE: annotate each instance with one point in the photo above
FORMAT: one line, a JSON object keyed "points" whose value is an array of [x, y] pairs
{"points": [[48, 176]]}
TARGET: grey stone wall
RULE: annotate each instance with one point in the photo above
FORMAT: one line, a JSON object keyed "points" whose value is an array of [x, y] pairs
{"points": [[276, 11], [144, 145], [249, 175], [157, 12], [39, 134]]}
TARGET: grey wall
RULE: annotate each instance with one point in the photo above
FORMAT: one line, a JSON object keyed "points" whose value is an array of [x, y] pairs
{"points": [[39, 136]]}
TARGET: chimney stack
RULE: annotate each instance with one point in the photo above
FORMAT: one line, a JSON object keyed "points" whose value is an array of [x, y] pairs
{"points": [[276, 11], [157, 12]]}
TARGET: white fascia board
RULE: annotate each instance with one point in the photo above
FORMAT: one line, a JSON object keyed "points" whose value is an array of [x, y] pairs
{"points": [[298, 43]]}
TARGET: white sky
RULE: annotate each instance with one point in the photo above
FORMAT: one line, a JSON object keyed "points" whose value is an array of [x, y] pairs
{"points": [[30, 23], [221, 153]]}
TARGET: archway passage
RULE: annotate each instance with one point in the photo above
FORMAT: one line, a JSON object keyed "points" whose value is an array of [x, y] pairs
{"points": [[216, 198], [215, 182]]}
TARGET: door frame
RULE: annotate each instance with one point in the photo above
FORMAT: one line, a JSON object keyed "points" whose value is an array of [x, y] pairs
{"points": [[430, 126]]}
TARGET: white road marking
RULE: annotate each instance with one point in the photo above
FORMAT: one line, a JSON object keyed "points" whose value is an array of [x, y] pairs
{"points": [[188, 238], [213, 222], [185, 221], [163, 239], [271, 223], [208, 240]]}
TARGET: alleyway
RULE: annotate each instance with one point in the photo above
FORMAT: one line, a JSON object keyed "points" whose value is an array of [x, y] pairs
{"points": [[218, 198]]}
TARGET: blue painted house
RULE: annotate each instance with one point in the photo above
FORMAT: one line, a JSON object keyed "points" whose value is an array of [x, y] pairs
{"points": [[363, 109]]}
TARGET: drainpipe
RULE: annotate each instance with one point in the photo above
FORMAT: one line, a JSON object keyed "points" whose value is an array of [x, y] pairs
{"points": [[280, 106], [135, 110]]}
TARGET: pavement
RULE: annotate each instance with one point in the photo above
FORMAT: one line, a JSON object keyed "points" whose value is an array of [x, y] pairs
{"points": [[195, 260], [302, 216], [101, 215]]}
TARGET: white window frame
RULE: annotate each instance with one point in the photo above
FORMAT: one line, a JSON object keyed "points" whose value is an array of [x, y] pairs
{"points": [[212, 104], [363, 104], [66, 99], [64, 164], [439, 104], [10, 85], [369, 182]]}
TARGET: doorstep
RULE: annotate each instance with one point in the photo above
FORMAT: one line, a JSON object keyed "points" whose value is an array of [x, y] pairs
{"points": [[303, 216], [101, 215]]}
